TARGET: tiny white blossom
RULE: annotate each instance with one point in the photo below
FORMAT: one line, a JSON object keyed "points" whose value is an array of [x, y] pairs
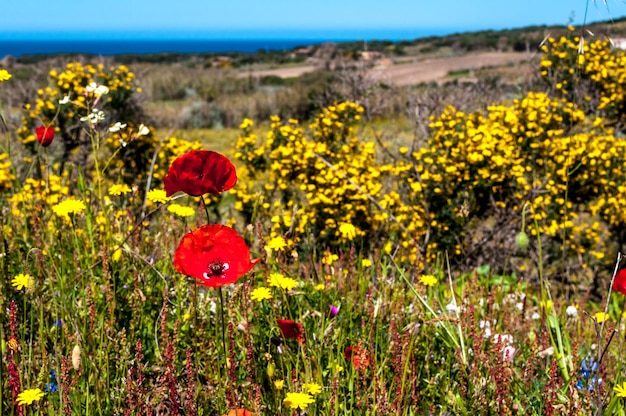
{"points": [[143, 130], [571, 311], [117, 127], [94, 117], [101, 90], [97, 90], [64, 100], [535, 316]]}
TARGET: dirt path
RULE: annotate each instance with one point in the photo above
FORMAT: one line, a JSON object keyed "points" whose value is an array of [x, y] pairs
{"points": [[416, 72], [438, 68]]}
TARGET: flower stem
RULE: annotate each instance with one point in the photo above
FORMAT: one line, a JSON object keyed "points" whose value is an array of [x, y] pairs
{"points": [[206, 211], [219, 289]]}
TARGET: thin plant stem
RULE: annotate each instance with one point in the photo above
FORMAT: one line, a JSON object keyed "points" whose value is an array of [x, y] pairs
{"points": [[219, 289]]}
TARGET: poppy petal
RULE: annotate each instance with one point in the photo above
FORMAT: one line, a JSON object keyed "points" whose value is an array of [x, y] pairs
{"points": [[292, 329], [45, 135], [214, 255], [199, 172], [619, 283]]}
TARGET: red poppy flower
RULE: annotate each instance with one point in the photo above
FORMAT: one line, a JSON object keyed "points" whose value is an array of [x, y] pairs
{"points": [[200, 172], [619, 284], [292, 329], [214, 254], [44, 135], [358, 356]]}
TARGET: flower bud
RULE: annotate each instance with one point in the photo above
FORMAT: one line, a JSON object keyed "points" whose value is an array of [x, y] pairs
{"points": [[522, 240]]}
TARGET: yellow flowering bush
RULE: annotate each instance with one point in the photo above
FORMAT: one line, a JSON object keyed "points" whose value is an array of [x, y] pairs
{"points": [[478, 171], [463, 192], [314, 183], [590, 73]]}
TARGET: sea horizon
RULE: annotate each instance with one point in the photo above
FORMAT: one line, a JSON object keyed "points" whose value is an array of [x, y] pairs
{"points": [[109, 44]]}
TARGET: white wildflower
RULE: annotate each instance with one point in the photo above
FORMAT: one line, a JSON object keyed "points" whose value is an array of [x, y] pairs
{"points": [[117, 127], [571, 311]]}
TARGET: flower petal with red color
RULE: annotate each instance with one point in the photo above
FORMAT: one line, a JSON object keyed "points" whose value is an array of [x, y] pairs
{"points": [[239, 412], [292, 329], [358, 356], [619, 284], [45, 135], [200, 172], [214, 254]]}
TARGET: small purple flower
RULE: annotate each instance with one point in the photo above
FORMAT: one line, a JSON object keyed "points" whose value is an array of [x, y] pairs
{"points": [[333, 310], [57, 323]]}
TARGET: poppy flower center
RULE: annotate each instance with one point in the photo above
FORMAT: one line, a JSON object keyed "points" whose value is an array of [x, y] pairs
{"points": [[216, 269]]}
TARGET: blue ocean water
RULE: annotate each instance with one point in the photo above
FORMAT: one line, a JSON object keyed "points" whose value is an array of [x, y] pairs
{"points": [[19, 47]]}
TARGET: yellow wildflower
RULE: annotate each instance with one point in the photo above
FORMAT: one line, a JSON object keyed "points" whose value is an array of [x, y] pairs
{"points": [[22, 281], [298, 400], [320, 286], [278, 280], [69, 206], [428, 280], [181, 210], [279, 384], [348, 231], [329, 258], [119, 189], [312, 388], [260, 294], [277, 243], [157, 195], [29, 396], [601, 317], [117, 254], [4, 75], [620, 391]]}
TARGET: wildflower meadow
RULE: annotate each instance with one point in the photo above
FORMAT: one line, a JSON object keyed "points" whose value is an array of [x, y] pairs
{"points": [[312, 269]]}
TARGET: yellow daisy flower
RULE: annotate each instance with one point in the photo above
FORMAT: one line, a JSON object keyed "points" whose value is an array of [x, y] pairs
{"points": [[120, 189], [260, 294], [620, 391], [277, 243], [181, 210], [312, 388], [22, 281], [428, 280], [298, 400], [157, 195], [29, 396], [70, 206], [278, 280]]}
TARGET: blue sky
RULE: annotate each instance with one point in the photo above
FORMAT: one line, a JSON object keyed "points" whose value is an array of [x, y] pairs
{"points": [[277, 18]]}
